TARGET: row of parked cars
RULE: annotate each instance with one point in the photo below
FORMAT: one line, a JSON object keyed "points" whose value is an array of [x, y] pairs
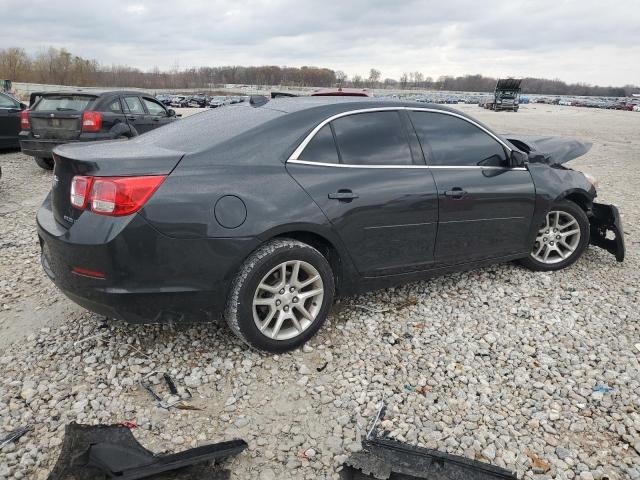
{"points": [[199, 100]]}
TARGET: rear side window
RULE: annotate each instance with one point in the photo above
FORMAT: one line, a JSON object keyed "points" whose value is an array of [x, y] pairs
{"points": [[375, 138], [62, 103], [455, 142], [154, 107], [115, 107], [321, 148], [134, 105]]}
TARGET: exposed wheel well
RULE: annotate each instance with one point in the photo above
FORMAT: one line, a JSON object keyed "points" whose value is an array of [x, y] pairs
{"points": [[324, 246], [580, 199]]}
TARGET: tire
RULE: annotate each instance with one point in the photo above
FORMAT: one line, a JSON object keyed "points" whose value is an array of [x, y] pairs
{"points": [[570, 248], [45, 163], [259, 280]]}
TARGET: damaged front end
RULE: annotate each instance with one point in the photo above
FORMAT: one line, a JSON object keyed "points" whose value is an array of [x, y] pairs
{"points": [[605, 225], [605, 220]]}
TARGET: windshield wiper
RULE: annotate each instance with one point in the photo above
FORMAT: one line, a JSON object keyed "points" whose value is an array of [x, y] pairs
{"points": [[65, 109]]}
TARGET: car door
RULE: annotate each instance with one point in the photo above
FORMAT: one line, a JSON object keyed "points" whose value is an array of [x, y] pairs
{"points": [[136, 114], [485, 205], [9, 121], [157, 113], [362, 171]]}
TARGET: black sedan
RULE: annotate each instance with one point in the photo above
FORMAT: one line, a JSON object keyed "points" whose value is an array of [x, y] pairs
{"points": [[264, 213]]}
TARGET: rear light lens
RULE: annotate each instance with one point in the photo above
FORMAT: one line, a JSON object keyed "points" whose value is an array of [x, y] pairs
{"points": [[115, 196], [91, 121], [87, 273], [80, 188], [24, 120]]}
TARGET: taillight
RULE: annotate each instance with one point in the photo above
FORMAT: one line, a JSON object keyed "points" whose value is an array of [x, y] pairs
{"points": [[114, 196], [24, 120], [91, 121], [80, 188]]}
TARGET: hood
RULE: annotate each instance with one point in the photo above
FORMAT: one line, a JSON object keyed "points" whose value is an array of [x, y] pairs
{"points": [[549, 150]]}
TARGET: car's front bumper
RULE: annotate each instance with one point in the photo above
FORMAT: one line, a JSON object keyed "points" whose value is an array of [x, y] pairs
{"points": [[148, 277], [605, 219]]}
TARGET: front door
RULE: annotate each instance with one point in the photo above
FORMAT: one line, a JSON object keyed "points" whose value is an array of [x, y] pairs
{"points": [[380, 199], [485, 205]]}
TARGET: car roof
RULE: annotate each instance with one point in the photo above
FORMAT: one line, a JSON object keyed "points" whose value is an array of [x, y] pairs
{"points": [[344, 104], [95, 93]]}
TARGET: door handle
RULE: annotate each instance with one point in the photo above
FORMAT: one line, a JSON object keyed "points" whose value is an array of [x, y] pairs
{"points": [[156, 119], [456, 193], [131, 118], [343, 195]]}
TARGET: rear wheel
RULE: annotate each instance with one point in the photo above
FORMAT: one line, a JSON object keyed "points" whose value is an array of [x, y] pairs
{"points": [[281, 296], [561, 240], [46, 163]]}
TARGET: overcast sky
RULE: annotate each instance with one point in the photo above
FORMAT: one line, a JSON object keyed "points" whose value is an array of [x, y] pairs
{"points": [[585, 40]]}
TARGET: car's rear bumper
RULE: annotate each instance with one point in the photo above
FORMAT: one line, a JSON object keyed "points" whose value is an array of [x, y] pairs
{"points": [[606, 219], [148, 277], [43, 147]]}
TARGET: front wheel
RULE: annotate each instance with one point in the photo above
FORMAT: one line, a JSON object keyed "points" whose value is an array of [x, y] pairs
{"points": [[281, 296], [561, 240], [45, 163]]}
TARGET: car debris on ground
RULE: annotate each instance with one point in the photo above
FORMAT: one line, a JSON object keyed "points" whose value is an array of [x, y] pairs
{"points": [[95, 452]]}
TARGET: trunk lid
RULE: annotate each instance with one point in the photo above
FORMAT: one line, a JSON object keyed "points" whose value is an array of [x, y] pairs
{"points": [[114, 158], [59, 116]]}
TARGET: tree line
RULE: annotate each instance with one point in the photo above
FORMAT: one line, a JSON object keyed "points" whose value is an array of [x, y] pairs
{"points": [[60, 67]]}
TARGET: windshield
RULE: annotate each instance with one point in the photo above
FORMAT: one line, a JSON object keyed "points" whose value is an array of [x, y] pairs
{"points": [[63, 103]]}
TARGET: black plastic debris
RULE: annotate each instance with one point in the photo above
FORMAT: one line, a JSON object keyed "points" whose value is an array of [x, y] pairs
{"points": [[383, 459], [111, 451], [14, 436]]}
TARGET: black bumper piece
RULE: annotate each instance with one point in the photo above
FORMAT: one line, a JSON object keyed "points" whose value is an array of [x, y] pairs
{"points": [[111, 451], [604, 219]]}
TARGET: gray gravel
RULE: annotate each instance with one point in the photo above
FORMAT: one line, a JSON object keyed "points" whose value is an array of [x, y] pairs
{"points": [[536, 372]]}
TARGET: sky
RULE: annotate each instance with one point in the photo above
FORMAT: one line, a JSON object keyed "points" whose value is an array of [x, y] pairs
{"points": [[591, 41]]}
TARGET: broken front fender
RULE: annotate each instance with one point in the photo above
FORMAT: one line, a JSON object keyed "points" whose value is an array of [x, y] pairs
{"points": [[605, 219]]}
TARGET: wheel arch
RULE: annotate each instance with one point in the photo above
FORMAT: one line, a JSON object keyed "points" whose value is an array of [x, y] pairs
{"points": [[328, 246], [579, 197]]}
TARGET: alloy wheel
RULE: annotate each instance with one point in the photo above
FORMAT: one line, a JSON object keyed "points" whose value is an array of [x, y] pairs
{"points": [[558, 238], [288, 300]]}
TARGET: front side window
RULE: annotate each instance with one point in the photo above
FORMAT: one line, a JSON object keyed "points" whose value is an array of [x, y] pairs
{"points": [[321, 148], [374, 138], [134, 105], [455, 142], [154, 107]]}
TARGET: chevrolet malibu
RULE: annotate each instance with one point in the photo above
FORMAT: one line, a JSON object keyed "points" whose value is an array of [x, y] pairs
{"points": [[264, 211]]}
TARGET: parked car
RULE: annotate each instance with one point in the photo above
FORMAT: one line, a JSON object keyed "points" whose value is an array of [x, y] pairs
{"points": [[217, 101], [10, 108], [164, 98], [264, 213], [57, 118], [180, 101], [198, 101]]}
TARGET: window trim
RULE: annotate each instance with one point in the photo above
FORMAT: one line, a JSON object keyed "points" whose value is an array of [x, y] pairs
{"points": [[294, 157]]}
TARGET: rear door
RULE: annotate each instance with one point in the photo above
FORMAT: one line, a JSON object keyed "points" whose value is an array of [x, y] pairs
{"points": [[9, 121], [374, 189], [485, 205], [157, 112], [136, 114]]}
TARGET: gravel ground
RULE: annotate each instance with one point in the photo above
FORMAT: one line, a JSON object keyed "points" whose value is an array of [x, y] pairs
{"points": [[537, 372]]}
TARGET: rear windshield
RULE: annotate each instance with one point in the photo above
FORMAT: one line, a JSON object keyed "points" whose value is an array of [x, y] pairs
{"points": [[63, 103]]}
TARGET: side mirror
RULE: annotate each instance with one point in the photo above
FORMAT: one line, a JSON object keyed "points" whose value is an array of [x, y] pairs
{"points": [[23, 106], [171, 112], [518, 158]]}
